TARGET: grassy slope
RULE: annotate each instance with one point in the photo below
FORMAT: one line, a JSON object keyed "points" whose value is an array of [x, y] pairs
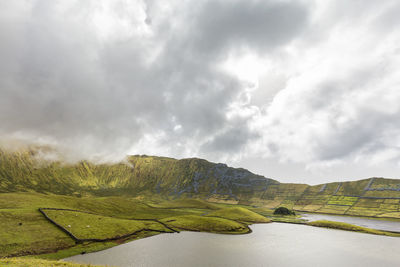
{"points": [[113, 216], [185, 203], [85, 226], [173, 179], [26, 171], [239, 214], [207, 224]]}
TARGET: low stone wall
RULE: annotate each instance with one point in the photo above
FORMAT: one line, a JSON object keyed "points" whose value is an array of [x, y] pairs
{"points": [[81, 240]]}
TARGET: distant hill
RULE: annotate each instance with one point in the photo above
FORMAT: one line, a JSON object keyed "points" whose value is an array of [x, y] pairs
{"points": [[25, 171]]}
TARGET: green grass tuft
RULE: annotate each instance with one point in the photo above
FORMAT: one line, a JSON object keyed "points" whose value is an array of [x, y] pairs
{"points": [[90, 226], [206, 224], [239, 214]]}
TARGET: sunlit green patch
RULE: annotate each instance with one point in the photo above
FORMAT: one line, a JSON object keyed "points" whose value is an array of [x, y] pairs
{"points": [[334, 209], [288, 219], [28, 232], [206, 224], [342, 200], [185, 203], [90, 226], [36, 235], [383, 194], [389, 215], [389, 207], [311, 208], [239, 214], [361, 211]]}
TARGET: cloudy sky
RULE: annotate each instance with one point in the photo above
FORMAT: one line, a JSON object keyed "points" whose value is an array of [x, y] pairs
{"points": [[302, 91]]}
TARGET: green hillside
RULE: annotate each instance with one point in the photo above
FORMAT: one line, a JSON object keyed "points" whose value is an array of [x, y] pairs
{"points": [[24, 171], [69, 225], [56, 209], [148, 176]]}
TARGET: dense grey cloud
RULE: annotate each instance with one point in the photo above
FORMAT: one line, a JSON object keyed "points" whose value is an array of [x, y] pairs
{"points": [[75, 81], [308, 84], [338, 113], [262, 25]]}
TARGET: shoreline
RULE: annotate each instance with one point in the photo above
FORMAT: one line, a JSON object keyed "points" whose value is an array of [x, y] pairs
{"points": [[376, 232], [356, 216]]}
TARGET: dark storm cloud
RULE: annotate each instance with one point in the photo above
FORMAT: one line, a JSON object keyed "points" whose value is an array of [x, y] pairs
{"points": [[231, 140], [67, 79], [262, 25]]}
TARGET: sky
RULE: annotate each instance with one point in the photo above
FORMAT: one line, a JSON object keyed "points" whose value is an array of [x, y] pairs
{"points": [[301, 91]]}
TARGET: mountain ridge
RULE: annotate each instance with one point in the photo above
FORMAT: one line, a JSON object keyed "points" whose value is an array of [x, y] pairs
{"points": [[142, 175]]}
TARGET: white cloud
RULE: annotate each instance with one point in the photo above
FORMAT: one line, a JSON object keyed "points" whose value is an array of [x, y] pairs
{"points": [[308, 83], [340, 102]]}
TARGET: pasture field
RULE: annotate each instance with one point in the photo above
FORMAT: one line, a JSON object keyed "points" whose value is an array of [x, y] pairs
{"points": [[83, 224]]}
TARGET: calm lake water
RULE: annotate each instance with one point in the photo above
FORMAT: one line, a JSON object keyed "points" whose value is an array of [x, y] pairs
{"points": [[378, 224], [273, 244]]}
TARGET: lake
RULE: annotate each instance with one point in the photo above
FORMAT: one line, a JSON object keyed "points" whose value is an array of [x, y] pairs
{"points": [[273, 244], [379, 224]]}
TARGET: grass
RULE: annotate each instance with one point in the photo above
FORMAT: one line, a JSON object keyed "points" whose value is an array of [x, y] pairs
{"points": [[288, 219], [206, 224], [19, 262], [25, 171], [239, 214], [85, 226], [333, 209], [36, 235], [185, 203], [349, 227], [25, 231], [342, 200]]}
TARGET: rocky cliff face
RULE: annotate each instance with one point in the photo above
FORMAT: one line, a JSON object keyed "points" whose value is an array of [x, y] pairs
{"points": [[194, 177], [23, 171]]}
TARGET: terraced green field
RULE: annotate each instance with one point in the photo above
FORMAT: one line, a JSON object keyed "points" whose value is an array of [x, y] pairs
{"points": [[342, 200], [84, 225], [112, 220]]}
